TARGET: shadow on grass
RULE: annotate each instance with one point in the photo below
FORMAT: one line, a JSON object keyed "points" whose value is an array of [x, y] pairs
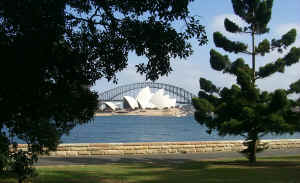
{"points": [[266, 170], [260, 164], [203, 171], [102, 161]]}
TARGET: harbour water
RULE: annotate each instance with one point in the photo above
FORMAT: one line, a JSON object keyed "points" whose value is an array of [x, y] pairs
{"points": [[115, 129]]}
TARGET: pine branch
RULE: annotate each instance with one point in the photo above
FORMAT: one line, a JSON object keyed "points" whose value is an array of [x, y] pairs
{"points": [[218, 61], [263, 47], [295, 87], [230, 46], [285, 41], [231, 26], [208, 86], [279, 65]]}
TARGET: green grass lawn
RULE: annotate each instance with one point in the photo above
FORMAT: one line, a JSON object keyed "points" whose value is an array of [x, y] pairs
{"points": [[266, 170]]}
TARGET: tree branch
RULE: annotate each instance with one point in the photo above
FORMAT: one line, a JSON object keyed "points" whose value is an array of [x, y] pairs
{"points": [[247, 52], [95, 14], [256, 78]]}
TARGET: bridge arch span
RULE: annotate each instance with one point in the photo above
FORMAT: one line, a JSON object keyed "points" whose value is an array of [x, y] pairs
{"points": [[116, 94]]}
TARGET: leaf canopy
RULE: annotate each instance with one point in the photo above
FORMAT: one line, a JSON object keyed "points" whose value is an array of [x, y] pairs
{"points": [[54, 51]]}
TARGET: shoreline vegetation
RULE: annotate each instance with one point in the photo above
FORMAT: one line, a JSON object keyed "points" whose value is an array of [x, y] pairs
{"points": [[176, 112]]}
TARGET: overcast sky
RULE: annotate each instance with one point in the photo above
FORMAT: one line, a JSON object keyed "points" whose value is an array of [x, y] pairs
{"points": [[186, 73]]}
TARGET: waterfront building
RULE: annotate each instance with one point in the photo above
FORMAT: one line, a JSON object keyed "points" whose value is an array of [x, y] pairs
{"points": [[145, 100]]}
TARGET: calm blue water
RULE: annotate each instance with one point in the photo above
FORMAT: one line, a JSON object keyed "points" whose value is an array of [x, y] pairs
{"points": [[146, 129]]}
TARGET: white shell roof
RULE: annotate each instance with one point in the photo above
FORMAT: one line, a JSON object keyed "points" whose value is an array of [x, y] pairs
{"points": [[131, 101], [111, 105], [162, 101], [143, 98]]}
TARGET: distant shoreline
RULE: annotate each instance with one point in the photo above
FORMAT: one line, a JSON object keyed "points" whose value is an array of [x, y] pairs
{"points": [[176, 112]]}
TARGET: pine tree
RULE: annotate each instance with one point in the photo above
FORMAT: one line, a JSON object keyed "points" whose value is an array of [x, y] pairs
{"points": [[244, 109]]}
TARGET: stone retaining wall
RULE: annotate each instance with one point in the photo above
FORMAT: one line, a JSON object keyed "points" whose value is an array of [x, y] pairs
{"points": [[96, 149]]}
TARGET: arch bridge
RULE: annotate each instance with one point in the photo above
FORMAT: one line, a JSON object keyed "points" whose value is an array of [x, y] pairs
{"points": [[182, 96]]}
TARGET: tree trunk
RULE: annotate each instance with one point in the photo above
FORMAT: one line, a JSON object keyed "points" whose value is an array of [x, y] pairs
{"points": [[252, 148], [253, 144], [253, 58]]}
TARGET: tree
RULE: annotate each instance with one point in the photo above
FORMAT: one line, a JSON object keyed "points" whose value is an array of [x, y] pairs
{"points": [[244, 109], [52, 51]]}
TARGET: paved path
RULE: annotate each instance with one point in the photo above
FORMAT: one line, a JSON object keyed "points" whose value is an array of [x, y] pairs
{"points": [[165, 158]]}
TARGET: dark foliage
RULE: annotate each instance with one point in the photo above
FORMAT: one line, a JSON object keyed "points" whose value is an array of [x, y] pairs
{"points": [[53, 51]]}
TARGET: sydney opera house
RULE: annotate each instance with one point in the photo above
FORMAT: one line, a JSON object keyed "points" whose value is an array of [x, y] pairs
{"points": [[146, 100]]}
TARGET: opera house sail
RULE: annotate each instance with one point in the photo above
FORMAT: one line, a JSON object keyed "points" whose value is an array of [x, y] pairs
{"points": [[130, 103], [162, 101], [110, 106], [143, 98]]}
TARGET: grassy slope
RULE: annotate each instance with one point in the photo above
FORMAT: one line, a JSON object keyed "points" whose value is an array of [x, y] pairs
{"points": [[267, 170]]}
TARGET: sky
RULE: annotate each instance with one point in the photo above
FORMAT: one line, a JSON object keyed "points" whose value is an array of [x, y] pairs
{"points": [[186, 73]]}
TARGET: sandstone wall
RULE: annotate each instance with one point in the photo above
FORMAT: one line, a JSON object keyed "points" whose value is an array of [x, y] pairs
{"points": [[95, 149]]}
